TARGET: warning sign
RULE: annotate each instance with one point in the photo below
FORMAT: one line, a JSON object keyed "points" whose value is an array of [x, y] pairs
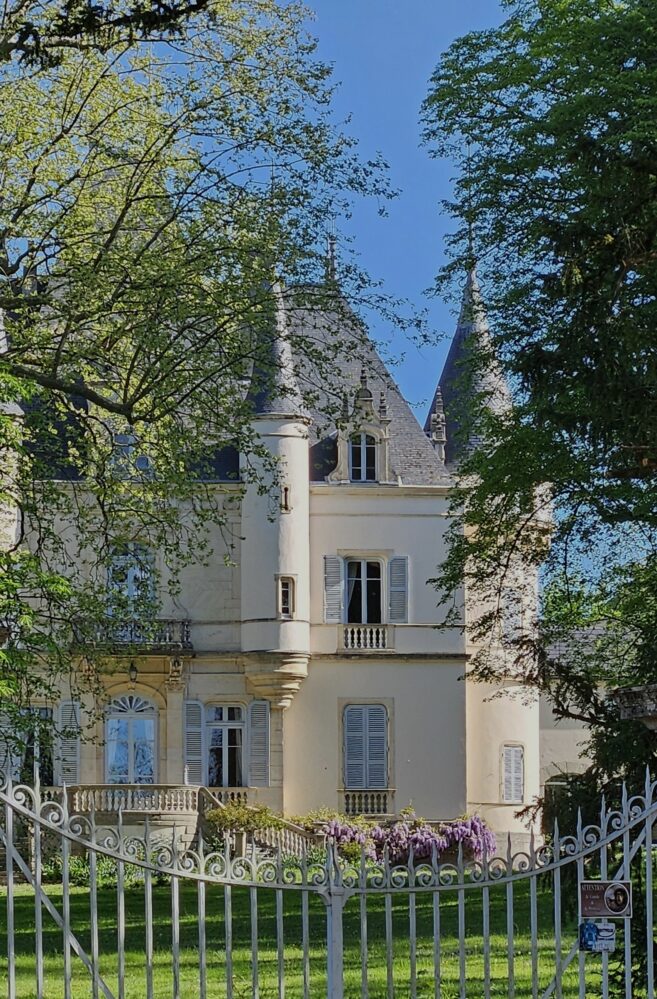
{"points": [[598, 938], [611, 899]]}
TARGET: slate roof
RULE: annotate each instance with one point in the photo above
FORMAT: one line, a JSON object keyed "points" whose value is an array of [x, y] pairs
{"points": [[273, 389], [459, 383], [347, 351]]}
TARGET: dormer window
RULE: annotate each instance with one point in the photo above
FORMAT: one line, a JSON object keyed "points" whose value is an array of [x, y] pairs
{"points": [[362, 458]]}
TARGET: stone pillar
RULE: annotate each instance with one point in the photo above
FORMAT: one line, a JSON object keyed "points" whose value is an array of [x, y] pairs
{"points": [[174, 728]]}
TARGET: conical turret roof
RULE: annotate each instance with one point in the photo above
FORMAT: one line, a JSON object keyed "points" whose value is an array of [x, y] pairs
{"points": [[274, 388], [463, 383]]}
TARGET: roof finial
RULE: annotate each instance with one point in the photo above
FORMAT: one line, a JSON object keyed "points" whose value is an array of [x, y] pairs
{"points": [[345, 406], [330, 259], [438, 426], [330, 254], [383, 407], [471, 259]]}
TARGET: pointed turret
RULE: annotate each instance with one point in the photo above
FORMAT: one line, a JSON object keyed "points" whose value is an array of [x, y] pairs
{"points": [[274, 389], [462, 383], [275, 545]]}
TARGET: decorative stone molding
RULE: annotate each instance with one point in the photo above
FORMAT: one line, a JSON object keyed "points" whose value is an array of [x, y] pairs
{"points": [[638, 703], [364, 419], [277, 676], [175, 681]]}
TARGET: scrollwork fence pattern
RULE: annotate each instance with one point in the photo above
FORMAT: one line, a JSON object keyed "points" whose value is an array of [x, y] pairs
{"points": [[359, 893]]}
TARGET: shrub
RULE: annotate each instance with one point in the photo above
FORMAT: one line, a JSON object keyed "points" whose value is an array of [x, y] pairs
{"points": [[241, 818], [78, 871]]}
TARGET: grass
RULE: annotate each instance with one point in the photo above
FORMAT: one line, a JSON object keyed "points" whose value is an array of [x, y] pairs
{"points": [[135, 987]]}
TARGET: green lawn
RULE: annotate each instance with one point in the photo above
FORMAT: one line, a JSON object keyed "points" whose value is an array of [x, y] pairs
{"points": [[267, 955]]}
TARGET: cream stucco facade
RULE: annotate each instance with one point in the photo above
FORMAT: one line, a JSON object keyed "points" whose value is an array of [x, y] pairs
{"points": [[310, 669]]}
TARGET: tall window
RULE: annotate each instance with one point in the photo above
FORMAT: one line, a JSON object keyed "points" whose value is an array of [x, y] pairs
{"points": [[131, 590], [130, 739], [224, 725], [286, 597], [365, 732], [362, 458], [364, 591], [216, 737], [37, 753], [513, 774], [130, 575]]}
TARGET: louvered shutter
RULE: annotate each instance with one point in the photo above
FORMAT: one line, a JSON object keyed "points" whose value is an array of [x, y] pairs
{"points": [[333, 588], [398, 590], [193, 742], [259, 744], [5, 750], [377, 746], [68, 744], [354, 720], [514, 774]]}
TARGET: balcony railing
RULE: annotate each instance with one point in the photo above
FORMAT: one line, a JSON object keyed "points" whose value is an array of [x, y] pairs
{"points": [[368, 802], [163, 633], [143, 799], [367, 637]]}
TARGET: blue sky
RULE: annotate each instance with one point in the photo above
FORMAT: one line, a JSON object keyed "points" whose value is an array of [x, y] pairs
{"points": [[383, 53]]}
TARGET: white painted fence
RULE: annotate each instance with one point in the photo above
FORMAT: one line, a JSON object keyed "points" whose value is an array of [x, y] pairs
{"points": [[315, 926]]}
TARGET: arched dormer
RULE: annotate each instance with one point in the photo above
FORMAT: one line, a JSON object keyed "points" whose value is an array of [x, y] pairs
{"points": [[362, 446]]}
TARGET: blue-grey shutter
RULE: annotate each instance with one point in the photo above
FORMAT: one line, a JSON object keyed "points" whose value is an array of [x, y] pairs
{"points": [[377, 746], [9, 759], [68, 744], [333, 588], [259, 744], [513, 778], [193, 742], [398, 590], [354, 722]]}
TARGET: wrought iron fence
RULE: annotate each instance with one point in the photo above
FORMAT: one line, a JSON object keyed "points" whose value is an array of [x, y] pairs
{"points": [[204, 922]]}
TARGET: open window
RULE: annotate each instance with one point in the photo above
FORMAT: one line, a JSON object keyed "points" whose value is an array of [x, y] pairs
{"points": [[364, 596], [227, 745], [366, 590]]}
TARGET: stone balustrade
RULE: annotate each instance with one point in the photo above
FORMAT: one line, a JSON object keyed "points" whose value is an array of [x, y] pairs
{"points": [[367, 637], [368, 802]]}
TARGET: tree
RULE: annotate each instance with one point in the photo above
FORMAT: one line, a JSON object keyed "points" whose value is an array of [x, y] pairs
{"points": [[41, 33], [148, 196], [550, 118]]}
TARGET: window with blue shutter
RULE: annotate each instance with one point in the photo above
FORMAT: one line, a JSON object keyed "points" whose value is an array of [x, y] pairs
{"points": [[398, 590], [365, 732], [332, 589], [259, 744], [68, 744], [194, 768], [513, 774]]}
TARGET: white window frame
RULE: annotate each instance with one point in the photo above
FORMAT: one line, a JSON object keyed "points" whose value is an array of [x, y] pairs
{"points": [[364, 559], [503, 798], [130, 715], [291, 582], [140, 564], [225, 726], [363, 435]]}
